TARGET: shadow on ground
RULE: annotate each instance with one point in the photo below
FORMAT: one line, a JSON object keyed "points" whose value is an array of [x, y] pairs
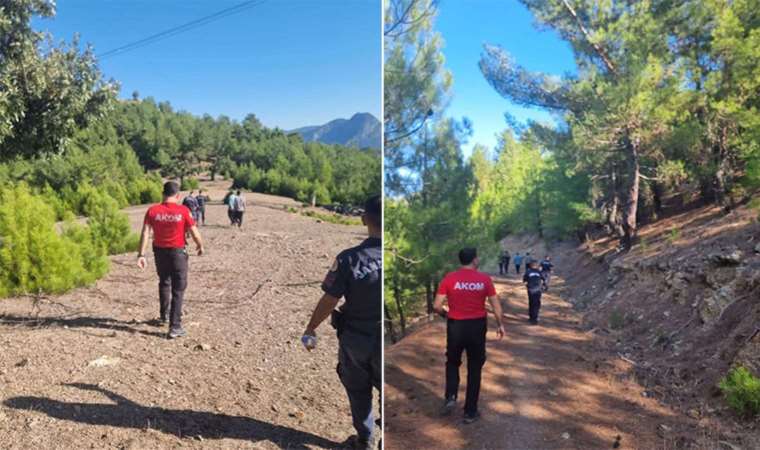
{"points": [[103, 323], [181, 423]]}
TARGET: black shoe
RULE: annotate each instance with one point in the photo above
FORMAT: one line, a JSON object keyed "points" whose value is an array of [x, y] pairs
{"points": [[156, 322], [357, 443], [533, 322], [471, 417], [175, 333], [448, 405]]}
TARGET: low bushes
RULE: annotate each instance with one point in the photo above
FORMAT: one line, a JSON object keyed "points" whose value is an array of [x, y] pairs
{"points": [[189, 184], [742, 391], [34, 256], [275, 182]]}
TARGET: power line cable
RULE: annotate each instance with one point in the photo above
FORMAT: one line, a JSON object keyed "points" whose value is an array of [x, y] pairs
{"points": [[181, 28]]}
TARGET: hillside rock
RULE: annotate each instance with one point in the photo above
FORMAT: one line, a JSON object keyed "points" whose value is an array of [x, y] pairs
{"points": [[732, 257]]}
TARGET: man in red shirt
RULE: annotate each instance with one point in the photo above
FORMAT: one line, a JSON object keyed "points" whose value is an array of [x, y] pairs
{"points": [[169, 221], [466, 291]]}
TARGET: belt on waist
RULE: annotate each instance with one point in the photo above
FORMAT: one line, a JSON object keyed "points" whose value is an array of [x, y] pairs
{"points": [[348, 326], [168, 249]]}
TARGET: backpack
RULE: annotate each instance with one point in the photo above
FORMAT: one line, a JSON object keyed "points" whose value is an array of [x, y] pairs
{"points": [[238, 203], [190, 203]]}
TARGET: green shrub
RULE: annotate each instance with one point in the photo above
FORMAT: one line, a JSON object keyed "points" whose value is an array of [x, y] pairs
{"points": [[55, 201], [34, 257], [94, 258], [110, 227], [117, 192], [742, 391], [617, 320], [322, 194], [674, 235], [189, 184]]}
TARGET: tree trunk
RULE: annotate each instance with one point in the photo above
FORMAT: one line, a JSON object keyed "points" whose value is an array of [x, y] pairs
{"points": [[613, 219], [429, 295], [631, 193], [389, 321], [399, 308]]}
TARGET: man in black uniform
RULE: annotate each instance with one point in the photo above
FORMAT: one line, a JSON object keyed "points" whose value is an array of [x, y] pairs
{"points": [[534, 280], [356, 275]]}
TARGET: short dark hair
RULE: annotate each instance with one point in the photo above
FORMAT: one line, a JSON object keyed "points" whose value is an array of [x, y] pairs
{"points": [[171, 188], [467, 255], [373, 210], [238, 192]]}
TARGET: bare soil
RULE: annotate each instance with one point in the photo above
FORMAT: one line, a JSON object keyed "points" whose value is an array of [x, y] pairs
{"points": [[240, 379]]}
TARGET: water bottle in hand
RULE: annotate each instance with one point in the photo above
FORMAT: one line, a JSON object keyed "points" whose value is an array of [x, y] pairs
{"points": [[309, 342]]}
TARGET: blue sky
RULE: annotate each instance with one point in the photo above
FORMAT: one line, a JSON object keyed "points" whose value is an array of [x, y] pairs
{"points": [[292, 63], [465, 27]]}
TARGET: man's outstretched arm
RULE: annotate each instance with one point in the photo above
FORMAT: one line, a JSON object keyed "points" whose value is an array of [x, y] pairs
{"points": [[197, 238], [496, 306], [144, 238]]}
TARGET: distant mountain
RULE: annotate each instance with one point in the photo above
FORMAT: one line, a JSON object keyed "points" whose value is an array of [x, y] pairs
{"points": [[362, 131]]}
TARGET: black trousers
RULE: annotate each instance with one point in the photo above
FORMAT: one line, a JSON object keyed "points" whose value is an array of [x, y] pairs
{"points": [[534, 305], [171, 265], [470, 336], [231, 215]]}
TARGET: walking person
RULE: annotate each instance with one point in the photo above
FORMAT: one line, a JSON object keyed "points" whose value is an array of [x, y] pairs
{"points": [[546, 271], [465, 292], [169, 221], [534, 281], [238, 202], [202, 200], [356, 275], [191, 203], [504, 262], [518, 262], [228, 202]]}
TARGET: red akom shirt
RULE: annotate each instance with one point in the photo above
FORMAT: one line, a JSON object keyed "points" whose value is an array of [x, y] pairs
{"points": [[466, 291], [169, 221]]}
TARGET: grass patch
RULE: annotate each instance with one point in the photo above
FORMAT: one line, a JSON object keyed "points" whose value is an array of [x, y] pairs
{"points": [[741, 390], [330, 218], [674, 235], [617, 320]]}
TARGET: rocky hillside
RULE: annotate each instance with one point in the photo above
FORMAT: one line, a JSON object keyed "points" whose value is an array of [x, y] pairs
{"points": [[683, 306]]}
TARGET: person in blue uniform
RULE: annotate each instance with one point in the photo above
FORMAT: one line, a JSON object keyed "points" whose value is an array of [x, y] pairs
{"points": [[356, 275]]}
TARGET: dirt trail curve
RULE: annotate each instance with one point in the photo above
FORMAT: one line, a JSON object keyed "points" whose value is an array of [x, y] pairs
{"points": [[543, 387], [239, 380]]}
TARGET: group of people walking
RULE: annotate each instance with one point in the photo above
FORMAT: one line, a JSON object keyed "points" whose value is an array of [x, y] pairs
{"points": [[461, 298], [235, 207], [356, 276], [518, 260], [197, 206]]}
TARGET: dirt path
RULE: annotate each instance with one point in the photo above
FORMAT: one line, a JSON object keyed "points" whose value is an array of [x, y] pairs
{"points": [[239, 380], [545, 387]]}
